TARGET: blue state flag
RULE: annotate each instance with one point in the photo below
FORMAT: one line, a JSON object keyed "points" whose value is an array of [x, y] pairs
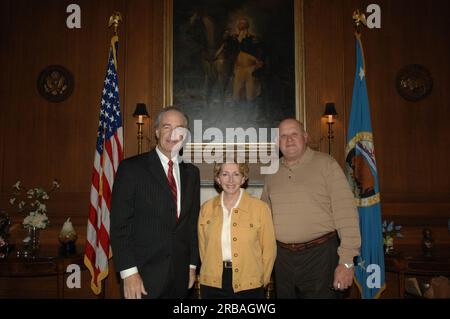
{"points": [[361, 171]]}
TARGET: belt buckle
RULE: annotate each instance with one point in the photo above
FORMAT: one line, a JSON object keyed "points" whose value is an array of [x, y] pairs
{"points": [[227, 264]]}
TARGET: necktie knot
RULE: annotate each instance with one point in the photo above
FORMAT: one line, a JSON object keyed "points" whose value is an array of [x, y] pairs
{"points": [[170, 164]]}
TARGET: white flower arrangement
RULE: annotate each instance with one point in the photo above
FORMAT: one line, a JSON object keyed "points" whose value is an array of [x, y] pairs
{"points": [[38, 220], [33, 202], [390, 229]]}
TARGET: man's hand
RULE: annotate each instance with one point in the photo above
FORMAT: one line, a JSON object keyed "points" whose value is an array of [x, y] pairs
{"points": [[133, 287], [343, 277], [192, 275]]}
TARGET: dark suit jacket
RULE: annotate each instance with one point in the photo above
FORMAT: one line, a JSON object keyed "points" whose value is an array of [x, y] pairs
{"points": [[144, 231]]}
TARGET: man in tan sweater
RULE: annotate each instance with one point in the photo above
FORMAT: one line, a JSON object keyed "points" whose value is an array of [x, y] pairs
{"points": [[315, 218]]}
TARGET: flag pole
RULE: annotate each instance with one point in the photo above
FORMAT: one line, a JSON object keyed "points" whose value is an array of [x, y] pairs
{"points": [[359, 19], [114, 21], [109, 148], [360, 143]]}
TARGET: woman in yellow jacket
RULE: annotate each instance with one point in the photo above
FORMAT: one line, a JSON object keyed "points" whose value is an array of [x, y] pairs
{"points": [[236, 239]]}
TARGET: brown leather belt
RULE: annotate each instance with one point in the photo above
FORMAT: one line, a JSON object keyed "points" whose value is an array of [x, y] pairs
{"points": [[309, 244]]}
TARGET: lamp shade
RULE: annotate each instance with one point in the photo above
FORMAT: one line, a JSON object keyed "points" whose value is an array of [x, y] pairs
{"points": [[141, 110], [330, 109]]}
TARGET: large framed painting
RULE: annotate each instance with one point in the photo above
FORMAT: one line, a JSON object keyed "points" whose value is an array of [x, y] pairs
{"points": [[234, 64]]}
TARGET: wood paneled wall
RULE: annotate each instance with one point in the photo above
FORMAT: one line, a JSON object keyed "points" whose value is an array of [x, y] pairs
{"points": [[41, 140], [412, 139]]}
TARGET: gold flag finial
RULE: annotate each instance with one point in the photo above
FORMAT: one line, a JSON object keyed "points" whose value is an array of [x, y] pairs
{"points": [[359, 19], [114, 20]]}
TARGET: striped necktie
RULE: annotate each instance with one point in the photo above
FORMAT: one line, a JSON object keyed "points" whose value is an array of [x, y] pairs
{"points": [[172, 184]]}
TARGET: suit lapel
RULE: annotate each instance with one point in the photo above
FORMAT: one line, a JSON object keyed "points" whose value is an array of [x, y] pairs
{"points": [[183, 190], [156, 169]]}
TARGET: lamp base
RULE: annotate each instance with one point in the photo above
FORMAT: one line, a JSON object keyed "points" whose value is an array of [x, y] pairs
{"points": [[330, 136], [68, 248]]}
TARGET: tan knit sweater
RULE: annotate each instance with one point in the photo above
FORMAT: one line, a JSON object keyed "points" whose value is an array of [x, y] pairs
{"points": [[312, 198]]}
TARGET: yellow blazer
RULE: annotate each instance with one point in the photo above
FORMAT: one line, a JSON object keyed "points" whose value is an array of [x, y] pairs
{"points": [[253, 244]]}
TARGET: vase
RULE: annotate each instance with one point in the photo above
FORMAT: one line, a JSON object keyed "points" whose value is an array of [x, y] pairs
{"points": [[33, 233], [389, 250]]}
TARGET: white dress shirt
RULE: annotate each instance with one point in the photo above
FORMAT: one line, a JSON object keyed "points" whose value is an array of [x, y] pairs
{"points": [[176, 174], [226, 228]]}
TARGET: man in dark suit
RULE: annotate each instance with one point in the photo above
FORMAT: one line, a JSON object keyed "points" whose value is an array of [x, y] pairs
{"points": [[154, 213]]}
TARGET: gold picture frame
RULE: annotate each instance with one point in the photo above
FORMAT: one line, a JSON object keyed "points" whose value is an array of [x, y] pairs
{"points": [[298, 44]]}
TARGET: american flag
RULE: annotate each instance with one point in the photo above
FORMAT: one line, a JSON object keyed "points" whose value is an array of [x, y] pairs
{"points": [[108, 154]]}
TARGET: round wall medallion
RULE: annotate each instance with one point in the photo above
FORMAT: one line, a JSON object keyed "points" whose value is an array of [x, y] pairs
{"points": [[414, 82], [55, 83]]}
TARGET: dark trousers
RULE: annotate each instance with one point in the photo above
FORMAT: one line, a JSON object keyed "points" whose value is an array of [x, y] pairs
{"points": [[169, 290], [226, 292], [307, 274]]}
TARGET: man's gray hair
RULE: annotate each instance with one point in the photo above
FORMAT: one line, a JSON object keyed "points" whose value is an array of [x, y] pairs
{"points": [[168, 109]]}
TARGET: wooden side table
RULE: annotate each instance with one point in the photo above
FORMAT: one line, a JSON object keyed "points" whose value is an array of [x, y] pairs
{"points": [[409, 263], [47, 264]]}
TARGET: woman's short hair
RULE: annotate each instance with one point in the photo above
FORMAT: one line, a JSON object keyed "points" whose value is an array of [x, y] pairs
{"points": [[243, 169]]}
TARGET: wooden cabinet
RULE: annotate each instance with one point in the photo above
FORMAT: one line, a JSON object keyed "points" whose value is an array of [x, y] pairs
{"points": [[43, 276], [409, 263]]}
